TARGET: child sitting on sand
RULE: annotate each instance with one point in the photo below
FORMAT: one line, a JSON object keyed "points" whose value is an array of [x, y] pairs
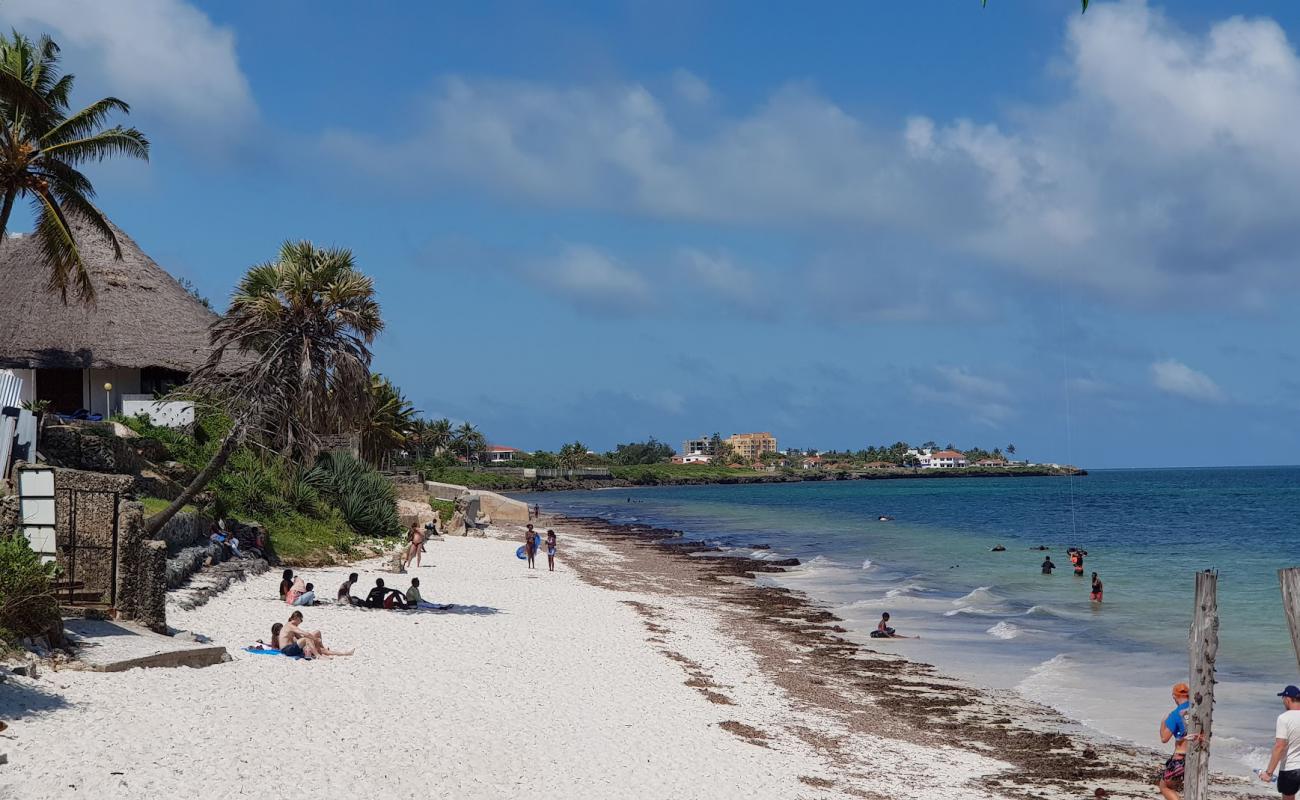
{"points": [[883, 631]]}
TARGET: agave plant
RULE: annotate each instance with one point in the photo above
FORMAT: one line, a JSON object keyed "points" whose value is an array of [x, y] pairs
{"points": [[364, 497]]}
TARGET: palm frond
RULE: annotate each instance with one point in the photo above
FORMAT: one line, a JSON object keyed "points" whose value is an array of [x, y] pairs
{"points": [[59, 249], [84, 122], [117, 141]]}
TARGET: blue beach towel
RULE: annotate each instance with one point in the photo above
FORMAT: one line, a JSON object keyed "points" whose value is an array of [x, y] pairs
{"points": [[265, 651]]}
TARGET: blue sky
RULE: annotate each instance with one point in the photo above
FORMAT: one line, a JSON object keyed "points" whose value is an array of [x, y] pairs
{"points": [[848, 224]]}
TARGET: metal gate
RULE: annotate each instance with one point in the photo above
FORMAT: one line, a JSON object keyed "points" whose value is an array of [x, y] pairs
{"points": [[89, 549]]}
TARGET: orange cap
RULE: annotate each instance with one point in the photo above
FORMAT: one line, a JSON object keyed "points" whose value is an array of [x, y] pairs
{"points": [[1182, 690]]}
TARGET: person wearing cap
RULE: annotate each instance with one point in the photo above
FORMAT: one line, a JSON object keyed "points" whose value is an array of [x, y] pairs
{"points": [[1174, 726], [1285, 760]]}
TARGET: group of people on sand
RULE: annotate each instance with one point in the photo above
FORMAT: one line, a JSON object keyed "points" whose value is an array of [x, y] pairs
{"points": [[1284, 757], [533, 542], [295, 592]]}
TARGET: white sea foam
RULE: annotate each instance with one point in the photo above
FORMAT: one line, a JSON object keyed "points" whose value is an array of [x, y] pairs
{"points": [[982, 594], [866, 563], [1004, 630]]}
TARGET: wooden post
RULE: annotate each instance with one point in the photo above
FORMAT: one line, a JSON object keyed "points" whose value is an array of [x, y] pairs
{"points": [[1203, 648], [1290, 580]]}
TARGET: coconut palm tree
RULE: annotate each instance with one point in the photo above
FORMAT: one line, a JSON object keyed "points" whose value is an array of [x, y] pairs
{"points": [[41, 146], [438, 436], [468, 441], [290, 358], [389, 422]]}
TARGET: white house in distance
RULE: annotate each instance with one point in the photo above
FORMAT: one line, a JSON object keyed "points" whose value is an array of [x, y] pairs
{"points": [[941, 459], [142, 336], [692, 458], [497, 453]]}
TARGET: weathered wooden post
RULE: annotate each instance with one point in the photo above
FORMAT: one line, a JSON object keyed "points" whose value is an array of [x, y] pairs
{"points": [[1203, 648], [1290, 580]]}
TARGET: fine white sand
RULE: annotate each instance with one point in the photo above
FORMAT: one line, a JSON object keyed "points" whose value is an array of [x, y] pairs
{"points": [[537, 685]]}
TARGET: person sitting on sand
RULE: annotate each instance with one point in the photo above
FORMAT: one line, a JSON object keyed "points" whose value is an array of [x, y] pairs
{"points": [[414, 600], [1096, 589], [883, 631], [308, 597], [550, 550], [306, 640], [1174, 726], [383, 597], [286, 583], [295, 591], [344, 596], [1048, 566]]}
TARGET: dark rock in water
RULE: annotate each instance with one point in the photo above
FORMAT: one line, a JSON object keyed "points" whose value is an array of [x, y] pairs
{"points": [[999, 549], [759, 546], [780, 562]]}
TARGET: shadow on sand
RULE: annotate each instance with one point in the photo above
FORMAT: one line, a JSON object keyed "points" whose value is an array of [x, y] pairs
{"points": [[18, 700]]}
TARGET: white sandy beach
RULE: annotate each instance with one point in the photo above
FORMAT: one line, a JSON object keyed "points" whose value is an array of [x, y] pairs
{"points": [[538, 685]]}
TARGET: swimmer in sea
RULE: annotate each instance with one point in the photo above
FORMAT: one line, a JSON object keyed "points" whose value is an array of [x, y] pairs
{"points": [[1096, 589], [1048, 566]]}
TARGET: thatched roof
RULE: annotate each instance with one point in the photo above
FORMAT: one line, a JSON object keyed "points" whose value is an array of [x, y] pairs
{"points": [[141, 316]]}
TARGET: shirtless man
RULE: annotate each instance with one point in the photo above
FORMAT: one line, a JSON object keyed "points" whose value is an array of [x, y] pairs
{"points": [[307, 640]]}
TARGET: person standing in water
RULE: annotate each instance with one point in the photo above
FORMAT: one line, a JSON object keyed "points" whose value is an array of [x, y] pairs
{"points": [[550, 550], [1048, 566], [1174, 726], [1096, 589]]}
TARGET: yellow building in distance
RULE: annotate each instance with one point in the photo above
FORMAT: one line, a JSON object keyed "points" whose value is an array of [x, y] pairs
{"points": [[749, 446]]}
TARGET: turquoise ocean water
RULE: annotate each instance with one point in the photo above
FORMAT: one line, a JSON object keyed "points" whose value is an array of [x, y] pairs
{"points": [[993, 618]]}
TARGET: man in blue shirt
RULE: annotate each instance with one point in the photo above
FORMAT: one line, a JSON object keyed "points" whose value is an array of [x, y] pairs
{"points": [[1174, 726]]}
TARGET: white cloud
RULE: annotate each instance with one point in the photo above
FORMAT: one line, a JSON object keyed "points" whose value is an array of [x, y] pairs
{"points": [[722, 281], [592, 280], [691, 88], [1165, 172], [985, 400], [164, 57], [1177, 378]]}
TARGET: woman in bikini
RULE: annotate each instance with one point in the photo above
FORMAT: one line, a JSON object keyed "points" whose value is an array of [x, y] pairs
{"points": [[550, 550], [416, 537]]}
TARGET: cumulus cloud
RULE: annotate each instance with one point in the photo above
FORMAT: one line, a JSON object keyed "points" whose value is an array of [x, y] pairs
{"points": [[986, 400], [593, 280], [691, 88], [1179, 379], [1163, 173], [164, 57]]}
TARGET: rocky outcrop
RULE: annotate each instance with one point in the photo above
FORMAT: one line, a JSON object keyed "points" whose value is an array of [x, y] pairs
{"points": [[419, 512], [186, 529]]}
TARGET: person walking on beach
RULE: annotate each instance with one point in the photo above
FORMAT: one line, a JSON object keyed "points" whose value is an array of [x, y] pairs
{"points": [[530, 546], [416, 538], [1285, 759], [1096, 589], [1174, 726], [1048, 566], [550, 550]]}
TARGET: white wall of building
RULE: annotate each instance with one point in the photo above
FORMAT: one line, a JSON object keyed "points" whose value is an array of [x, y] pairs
{"points": [[125, 381]]}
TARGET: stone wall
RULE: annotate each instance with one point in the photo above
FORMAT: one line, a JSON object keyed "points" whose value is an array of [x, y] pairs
{"points": [[8, 514], [141, 571], [186, 529], [444, 491], [89, 446], [408, 487]]}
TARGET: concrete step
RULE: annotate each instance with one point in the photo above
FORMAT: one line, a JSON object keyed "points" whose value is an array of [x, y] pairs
{"points": [[109, 646]]}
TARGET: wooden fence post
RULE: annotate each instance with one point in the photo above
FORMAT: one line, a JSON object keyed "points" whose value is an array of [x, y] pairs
{"points": [[1203, 648], [1290, 580]]}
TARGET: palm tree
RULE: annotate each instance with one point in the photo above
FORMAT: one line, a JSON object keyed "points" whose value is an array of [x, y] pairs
{"points": [[389, 422], [41, 145], [571, 455], [437, 436], [290, 358], [468, 441]]}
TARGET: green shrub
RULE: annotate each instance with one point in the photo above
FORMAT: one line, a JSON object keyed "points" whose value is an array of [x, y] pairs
{"points": [[475, 480], [445, 508], [27, 604], [305, 541], [365, 497]]}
